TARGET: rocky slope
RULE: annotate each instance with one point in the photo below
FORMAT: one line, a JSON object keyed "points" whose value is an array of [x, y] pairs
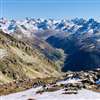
{"points": [[20, 60], [83, 53], [81, 46]]}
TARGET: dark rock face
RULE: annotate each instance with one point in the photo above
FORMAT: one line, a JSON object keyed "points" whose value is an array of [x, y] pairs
{"points": [[79, 58]]}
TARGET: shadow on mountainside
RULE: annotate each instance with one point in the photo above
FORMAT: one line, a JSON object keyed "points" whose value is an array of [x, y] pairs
{"points": [[77, 59]]}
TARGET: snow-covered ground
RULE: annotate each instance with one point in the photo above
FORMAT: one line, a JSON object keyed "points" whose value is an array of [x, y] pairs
{"points": [[57, 95]]}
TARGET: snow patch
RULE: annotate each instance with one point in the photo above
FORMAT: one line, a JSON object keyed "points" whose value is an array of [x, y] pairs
{"points": [[69, 81]]}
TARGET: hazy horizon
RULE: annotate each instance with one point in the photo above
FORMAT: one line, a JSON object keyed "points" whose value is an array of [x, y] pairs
{"points": [[57, 9]]}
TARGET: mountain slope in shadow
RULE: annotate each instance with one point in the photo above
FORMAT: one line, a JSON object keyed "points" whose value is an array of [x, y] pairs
{"points": [[78, 56]]}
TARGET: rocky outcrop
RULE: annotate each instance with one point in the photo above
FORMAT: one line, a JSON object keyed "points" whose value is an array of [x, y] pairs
{"points": [[87, 78]]}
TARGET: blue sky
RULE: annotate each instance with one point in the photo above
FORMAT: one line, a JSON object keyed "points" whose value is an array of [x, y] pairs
{"points": [[20, 9]]}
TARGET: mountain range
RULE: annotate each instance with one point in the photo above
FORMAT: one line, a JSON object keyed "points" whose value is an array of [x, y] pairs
{"points": [[58, 44]]}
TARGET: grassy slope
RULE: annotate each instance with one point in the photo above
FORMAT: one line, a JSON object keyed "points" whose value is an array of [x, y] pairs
{"points": [[21, 61]]}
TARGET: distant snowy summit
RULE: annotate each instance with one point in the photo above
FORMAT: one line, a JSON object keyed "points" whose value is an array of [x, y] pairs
{"points": [[33, 25]]}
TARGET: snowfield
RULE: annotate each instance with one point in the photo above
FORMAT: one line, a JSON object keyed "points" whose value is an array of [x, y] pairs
{"points": [[57, 95]]}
